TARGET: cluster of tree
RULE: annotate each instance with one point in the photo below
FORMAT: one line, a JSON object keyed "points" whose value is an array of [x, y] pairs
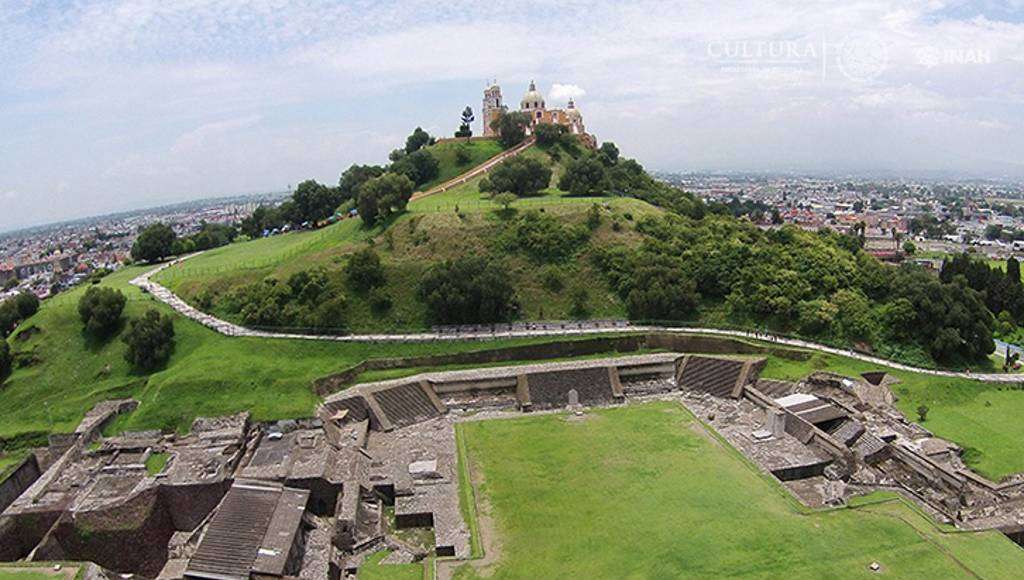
{"points": [[755, 209], [518, 175], [1001, 291], [149, 341], [100, 309], [821, 285], [15, 310], [307, 299], [931, 227], [468, 291], [998, 232], [158, 241]]}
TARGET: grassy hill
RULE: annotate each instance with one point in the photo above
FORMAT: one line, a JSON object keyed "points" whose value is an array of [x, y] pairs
{"points": [[475, 152], [456, 223]]}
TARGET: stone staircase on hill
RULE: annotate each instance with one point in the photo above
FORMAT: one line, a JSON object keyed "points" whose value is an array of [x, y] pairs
{"points": [[719, 377], [476, 171]]}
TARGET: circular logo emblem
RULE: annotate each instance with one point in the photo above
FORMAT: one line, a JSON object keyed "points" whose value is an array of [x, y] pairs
{"points": [[863, 57]]}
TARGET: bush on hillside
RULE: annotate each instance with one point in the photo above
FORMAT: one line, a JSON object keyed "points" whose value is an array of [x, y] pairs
{"points": [[364, 270], [308, 299], [417, 140], [100, 309], [468, 291], [150, 341], [542, 237], [518, 175], [549, 134]]}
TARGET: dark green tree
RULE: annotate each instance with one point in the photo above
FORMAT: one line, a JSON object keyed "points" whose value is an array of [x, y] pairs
{"points": [[354, 177], [154, 243], [100, 310], [585, 176], [6, 360], [468, 291], [150, 341], [608, 153], [314, 201], [549, 134], [364, 270], [466, 126], [511, 128], [417, 140], [519, 175], [26, 304], [420, 166], [384, 195], [1013, 270]]}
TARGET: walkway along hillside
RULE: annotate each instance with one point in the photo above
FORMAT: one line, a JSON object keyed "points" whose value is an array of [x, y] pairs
{"points": [[226, 328]]}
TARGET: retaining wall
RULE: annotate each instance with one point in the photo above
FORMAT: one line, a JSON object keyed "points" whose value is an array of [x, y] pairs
{"points": [[19, 480]]}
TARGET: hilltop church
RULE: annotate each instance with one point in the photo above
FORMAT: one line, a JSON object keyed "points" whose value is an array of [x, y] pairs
{"points": [[533, 105]]}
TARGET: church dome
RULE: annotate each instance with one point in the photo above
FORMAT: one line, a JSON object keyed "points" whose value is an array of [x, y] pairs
{"points": [[532, 99], [571, 111]]}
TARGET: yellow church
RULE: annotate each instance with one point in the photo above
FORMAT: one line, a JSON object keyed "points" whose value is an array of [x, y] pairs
{"points": [[533, 105]]}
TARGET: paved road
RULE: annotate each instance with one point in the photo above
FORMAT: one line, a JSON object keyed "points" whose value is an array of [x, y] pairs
{"points": [[226, 328]]}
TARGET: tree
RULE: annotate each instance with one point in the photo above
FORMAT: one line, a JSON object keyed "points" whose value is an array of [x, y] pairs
{"points": [[520, 176], [354, 177], [608, 153], [922, 413], [417, 140], [315, 201], [150, 340], [381, 196], [594, 217], [1013, 271], [579, 298], [468, 291], [548, 134], [100, 309], [6, 359], [25, 304], [364, 270], [419, 166], [909, 248], [584, 176], [462, 155], [154, 243], [465, 128], [505, 200], [511, 128]]}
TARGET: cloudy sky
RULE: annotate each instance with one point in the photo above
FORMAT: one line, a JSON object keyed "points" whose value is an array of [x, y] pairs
{"points": [[114, 105]]}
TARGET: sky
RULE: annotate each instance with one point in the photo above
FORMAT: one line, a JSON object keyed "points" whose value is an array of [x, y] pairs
{"points": [[114, 105]]}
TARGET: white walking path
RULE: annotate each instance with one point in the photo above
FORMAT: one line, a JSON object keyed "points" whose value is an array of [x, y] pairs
{"points": [[476, 171], [226, 328]]}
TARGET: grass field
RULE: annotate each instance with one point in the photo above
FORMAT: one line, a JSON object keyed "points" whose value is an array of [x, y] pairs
{"points": [[372, 569], [645, 492], [208, 374], [448, 167]]}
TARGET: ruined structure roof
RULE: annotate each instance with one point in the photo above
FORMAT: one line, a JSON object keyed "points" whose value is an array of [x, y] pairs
{"points": [[252, 532]]}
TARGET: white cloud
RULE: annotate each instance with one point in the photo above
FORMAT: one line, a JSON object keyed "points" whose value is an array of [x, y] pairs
{"points": [[562, 93]]}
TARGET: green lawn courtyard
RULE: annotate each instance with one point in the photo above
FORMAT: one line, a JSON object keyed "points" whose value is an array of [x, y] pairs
{"points": [[645, 492]]}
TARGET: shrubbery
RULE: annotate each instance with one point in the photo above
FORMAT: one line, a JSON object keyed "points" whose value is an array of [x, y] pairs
{"points": [[519, 175], [364, 270], [308, 299], [468, 291], [542, 237], [150, 341], [6, 360], [100, 309], [16, 309]]}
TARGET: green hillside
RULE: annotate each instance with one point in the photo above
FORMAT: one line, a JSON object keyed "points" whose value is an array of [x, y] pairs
{"points": [[457, 223], [456, 157]]}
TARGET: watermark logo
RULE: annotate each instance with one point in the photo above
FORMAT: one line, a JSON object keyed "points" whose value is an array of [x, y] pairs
{"points": [[862, 57]]}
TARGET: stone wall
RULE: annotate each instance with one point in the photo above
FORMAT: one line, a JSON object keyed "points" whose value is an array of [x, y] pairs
{"points": [[19, 480], [551, 389]]}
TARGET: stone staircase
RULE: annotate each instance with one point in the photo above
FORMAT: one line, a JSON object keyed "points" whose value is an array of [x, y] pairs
{"points": [[719, 377], [405, 405]]}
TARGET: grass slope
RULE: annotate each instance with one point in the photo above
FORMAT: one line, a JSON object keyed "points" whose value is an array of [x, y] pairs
{"points": [[372, 569], [645, 492], [459, 222], [448, 166], [208, 374]]}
